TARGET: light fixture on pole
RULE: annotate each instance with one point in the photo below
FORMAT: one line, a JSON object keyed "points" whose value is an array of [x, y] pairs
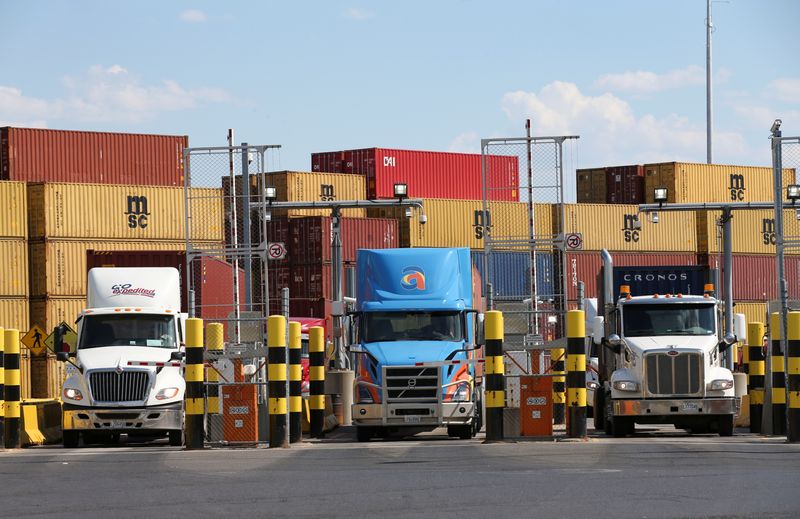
{"points": [[660, 195], [793, 193], [401, 191], [270, 194]]}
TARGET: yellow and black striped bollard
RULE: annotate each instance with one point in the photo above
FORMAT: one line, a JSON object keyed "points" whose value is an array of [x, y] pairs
{"points": [[276, 357], [2, 390], [295, 384], [793, 374], [755, 374], [11, 388], [778, 378], [495, 380], [576, 373], [195, 389], [316, 380], [215, 341], [557, 361]]}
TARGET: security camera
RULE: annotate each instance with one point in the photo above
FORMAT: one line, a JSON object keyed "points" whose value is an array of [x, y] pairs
{"points": [[423, 219], [776, 126]]}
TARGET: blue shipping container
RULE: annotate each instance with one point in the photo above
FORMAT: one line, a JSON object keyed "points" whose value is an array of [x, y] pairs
{"points": [[510, 273]]}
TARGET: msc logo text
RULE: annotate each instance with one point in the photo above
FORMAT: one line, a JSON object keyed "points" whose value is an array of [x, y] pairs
{"points": [[138, 212]]}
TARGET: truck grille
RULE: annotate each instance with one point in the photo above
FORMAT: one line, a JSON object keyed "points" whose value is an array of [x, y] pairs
{"points": [[679, 374], [127, 386], [412, 384]]}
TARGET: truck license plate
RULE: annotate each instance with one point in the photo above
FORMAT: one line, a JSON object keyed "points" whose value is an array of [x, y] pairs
{"points": [[412, 419], [689, 406], [118, 424]]}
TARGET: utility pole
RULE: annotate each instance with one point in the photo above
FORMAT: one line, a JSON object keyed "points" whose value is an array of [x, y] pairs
{"points": [[709, 119]]}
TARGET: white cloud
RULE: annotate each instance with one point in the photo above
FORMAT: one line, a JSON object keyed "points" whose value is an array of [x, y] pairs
{"points": [[468, 142], [109, 94], [646, 82], [611, 132], [193, 16], [355, 13], [785, 89]]}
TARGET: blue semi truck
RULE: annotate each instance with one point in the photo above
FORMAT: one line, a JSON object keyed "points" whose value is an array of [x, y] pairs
{"points": [[416, 345]]}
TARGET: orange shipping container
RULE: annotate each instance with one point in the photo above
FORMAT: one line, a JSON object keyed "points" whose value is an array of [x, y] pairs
{"points": [[13, 210], [14, 274], [689, 182], [102, 211], [591, 186], [619, 227], [753, 231]]}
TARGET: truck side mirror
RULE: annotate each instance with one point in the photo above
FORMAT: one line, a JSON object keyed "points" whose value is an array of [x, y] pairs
{"points": [[727, 341], [480, 331], [740, 326], [177, 355], [614, 343], [62, 356], [58, 339], [598, 329]]}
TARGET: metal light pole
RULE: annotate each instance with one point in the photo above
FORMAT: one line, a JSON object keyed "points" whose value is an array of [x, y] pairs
{"points": [[709, 120]]}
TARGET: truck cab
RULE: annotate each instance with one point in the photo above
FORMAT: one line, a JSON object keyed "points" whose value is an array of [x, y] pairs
{"points": [[417, 347], [125, 373]]}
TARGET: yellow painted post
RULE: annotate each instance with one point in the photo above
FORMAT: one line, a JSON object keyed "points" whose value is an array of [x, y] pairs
{"points": [[557, 356], [276, 357], [494, 376], [778, 377], [793, 377], [215, 340], [195, 389], [295, 384], [316, 380], [755, 374], [11, 388], [576, 373]]}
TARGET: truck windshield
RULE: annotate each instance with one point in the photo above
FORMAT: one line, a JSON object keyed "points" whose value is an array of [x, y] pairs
{"points": [[157, 331], [668, 319], [412, 326]]}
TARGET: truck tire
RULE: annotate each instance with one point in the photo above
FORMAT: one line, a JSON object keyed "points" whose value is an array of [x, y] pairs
{"points": [[477, 419], [725, 425], [600, 416], [622, 426], [363, 434], [71, 439], [607, 416], [176, 438], [463, 432]]}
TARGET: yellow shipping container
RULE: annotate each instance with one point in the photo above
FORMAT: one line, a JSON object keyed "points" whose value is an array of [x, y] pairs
{"points": [[689, 182], [753, 231], [58, 267], [591, 186], [614, 227], [49, 312], [463, 223], [104, 211], [755, 312], [14, 313], [13, 210], [14, 273], [47, 376]]}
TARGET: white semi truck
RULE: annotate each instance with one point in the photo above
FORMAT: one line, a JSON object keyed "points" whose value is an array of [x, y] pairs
{"points": [[661, 362], [125, 373]]}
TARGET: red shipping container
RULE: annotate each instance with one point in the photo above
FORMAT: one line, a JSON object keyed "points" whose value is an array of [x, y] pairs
{"points": [[213, 288], [429, 174], [625, 185], [315, 280], [310, 237], [585, 266], [754, 277], [40, 155], [303, 307]]}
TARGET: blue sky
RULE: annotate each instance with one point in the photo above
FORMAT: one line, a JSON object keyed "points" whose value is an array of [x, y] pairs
{"points": [[628, 76]]}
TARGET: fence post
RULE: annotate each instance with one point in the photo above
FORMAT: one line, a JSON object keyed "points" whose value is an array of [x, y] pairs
{"points": [[276, 357], [495, 380], [195, 389], [793, 374], [295, 384], [316, 378], [576, 373], [755, 374], [2, 391], [11, 388], [557, 361], [215, 340], [778, 377]]}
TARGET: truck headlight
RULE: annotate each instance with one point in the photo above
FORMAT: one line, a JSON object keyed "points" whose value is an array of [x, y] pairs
{"points": [[72, 393], [461, 393], [626, 385], [167, 393], [720, 384], [591, 384]]}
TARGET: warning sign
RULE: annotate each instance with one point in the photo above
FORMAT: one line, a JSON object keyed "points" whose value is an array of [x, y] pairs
{"points": [[573, 241], [276, 250], [34, 340], [70, 339]]}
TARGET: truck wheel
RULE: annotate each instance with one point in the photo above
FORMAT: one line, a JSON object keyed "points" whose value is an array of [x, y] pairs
{"points": [[725, 425], [363, 434], [622, 426], [600, 416], [176, 438], [477, 419], [463, 432], [608, 417], [71, 439]]}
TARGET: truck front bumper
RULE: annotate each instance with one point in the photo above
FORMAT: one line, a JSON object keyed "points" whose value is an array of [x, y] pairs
{"points": [[677, 407], [124, 419], [413, 415]]}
